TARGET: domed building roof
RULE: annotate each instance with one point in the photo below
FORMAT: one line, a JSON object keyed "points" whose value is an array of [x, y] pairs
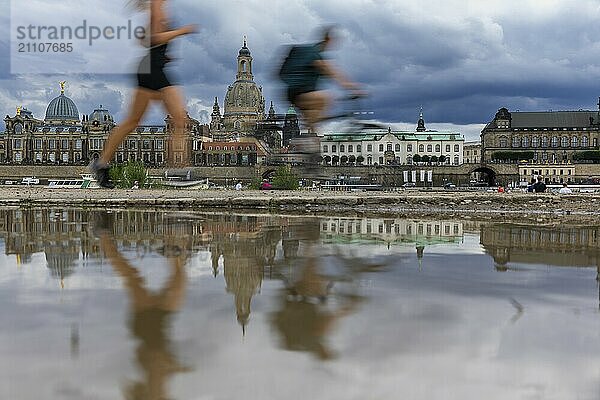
{"points": [[101, 115], [244, 96], [244, 51], [244, 100], [62, 108]]}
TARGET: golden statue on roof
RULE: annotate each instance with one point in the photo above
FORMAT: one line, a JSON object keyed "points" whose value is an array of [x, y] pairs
{"points": [[19, 108], [62, 87]]}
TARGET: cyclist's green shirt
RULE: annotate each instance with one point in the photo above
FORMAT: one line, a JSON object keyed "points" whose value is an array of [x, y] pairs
{"points": [[300, 70]]}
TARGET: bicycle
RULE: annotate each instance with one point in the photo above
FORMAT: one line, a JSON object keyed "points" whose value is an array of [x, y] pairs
{"points": [[305, 150]]}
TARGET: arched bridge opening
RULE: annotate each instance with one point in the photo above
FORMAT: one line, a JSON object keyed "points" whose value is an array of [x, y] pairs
{"points": [[483, 175]]}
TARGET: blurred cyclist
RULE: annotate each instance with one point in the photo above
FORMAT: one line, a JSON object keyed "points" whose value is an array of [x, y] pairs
{"points": [[301, 71]]}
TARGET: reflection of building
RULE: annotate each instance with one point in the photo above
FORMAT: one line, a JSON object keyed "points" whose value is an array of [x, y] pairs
{"points": [[558, 246], [392, 231], [380, 147], [63, 235], [246, 245]]}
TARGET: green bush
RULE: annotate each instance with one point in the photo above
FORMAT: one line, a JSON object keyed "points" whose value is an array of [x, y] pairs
{"points": [[590, 155], [255, 183], [285, 179], [512, 155], [124, 175]]}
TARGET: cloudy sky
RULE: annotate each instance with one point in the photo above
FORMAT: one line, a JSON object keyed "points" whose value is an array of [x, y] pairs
{"points": [[460, 60]]}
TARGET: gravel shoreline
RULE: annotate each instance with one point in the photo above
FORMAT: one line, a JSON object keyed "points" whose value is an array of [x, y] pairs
{"points": [[482, 204]]}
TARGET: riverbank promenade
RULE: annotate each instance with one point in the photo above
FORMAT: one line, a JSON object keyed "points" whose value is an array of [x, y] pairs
{"points": [[431, 202]]}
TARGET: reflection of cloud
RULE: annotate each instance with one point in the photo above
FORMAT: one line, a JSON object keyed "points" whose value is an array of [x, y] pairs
{"points": [[426, 334]]}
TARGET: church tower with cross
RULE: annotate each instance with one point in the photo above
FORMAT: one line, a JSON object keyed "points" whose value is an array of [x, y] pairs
{"points": [[244, 101]]}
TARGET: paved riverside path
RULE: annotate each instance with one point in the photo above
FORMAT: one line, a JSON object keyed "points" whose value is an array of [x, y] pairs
{"points": [[308, 201]]}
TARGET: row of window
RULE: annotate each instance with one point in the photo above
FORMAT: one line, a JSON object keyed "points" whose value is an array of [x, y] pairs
{"points": [[390, 229], [409, 160], [552, 157], [409, 148], [98, 144], [146, 144], [232, 148], [52, 144], [545, 141], [548, 172], [52, 157], [95, 144], [146, 157]]}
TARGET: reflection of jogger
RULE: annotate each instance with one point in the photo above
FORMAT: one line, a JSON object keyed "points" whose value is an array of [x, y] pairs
{"points": [[151, 315], [153, 83]]}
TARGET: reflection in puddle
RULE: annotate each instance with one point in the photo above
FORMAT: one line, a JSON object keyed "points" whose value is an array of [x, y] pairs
{"points": [[151, 313], [222, 306]]}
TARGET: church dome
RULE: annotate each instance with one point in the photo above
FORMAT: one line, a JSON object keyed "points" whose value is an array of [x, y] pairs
{"points": [[62, 108], [291, 110], [244, 51], [101, 115], [244, 96]]}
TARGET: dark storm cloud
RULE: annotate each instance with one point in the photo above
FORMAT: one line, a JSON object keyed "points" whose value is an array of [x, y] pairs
{"points": [[460, 60]]}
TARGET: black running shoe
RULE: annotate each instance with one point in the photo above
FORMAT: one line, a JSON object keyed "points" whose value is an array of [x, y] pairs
{"points": [[101, 174]]}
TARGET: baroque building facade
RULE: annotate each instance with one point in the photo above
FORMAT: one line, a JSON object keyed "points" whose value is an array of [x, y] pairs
{"points": [[64, 137], [244, 104], [381, 147], [550, 137]]}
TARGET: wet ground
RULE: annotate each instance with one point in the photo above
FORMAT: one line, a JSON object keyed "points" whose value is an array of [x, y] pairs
{"points": [[181, 305]]}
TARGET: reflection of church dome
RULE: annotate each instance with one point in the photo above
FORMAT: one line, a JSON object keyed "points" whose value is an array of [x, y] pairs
{"points": [[501, 256], [62, 108], [243, 276], [101, 115], [61, 261]]}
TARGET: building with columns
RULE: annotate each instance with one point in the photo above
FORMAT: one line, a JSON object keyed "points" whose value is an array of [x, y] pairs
{"points": [[388, 147]]}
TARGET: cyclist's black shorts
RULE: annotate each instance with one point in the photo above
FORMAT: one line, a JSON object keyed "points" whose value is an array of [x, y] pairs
{"points": [[294, 92]]}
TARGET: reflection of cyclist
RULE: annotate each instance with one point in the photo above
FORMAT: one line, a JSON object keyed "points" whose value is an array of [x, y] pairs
{"points": [[304, 320], [301, 72], [152, 84], [151, 315]]}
